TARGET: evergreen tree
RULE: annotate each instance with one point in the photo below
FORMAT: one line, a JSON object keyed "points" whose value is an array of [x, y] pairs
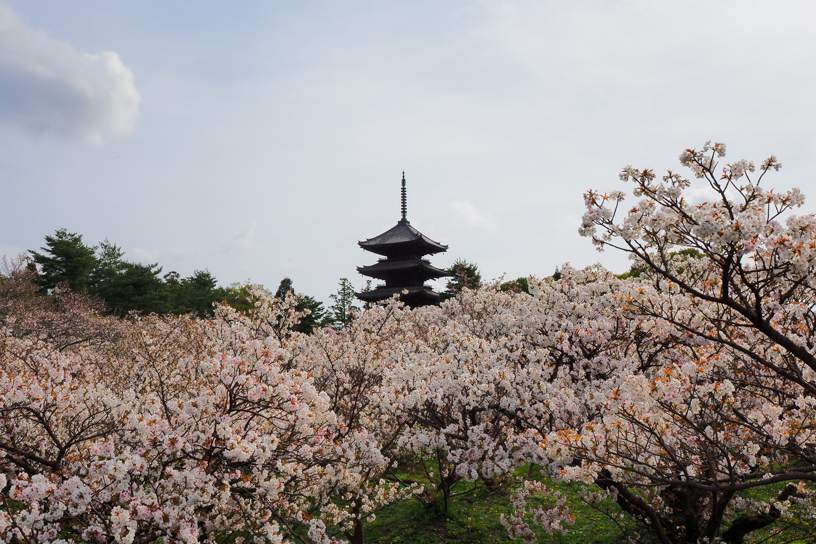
{"points": [[367, 305], [316, 318], [284, 288], [64, 259], [464, 275], [518, 285], [110, 265], [175, 291], [343, 307], [238, 296], [124, 286], [137, 287], [317, 314], [201, 292]]}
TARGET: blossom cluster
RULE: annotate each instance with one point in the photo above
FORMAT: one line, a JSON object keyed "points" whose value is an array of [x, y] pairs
{"points": [[670, 395]]}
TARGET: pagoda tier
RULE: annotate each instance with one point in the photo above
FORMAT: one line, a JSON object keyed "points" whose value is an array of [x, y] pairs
{"points": [[411, 296], [402, 240], [403, 269], [406, 269]]}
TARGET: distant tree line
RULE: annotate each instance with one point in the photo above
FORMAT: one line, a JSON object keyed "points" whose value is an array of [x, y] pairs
{"points": [[466, 275], [124, 286]]}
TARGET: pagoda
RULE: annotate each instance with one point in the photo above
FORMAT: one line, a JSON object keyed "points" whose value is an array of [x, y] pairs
{"points": [[403, 269]]}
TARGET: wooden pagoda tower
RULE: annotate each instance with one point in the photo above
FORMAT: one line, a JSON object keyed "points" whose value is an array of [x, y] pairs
{"points": [[403, 268]]}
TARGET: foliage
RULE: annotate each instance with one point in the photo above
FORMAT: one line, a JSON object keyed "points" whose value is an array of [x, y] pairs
{"points": [[465, 275], [123, 286], [180, 429], [366, 289], [137, 287], [518, 285], [64, 319], [314, 315], [343, 309], [109, 264], [680, 404], [65, 258], [240, 296], [732, 408], [634, 272], [475, 518], [17, 287], [201, 290]]}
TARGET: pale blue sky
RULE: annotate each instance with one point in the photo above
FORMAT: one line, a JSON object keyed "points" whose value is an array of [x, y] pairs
{"points": [[264, 139]]}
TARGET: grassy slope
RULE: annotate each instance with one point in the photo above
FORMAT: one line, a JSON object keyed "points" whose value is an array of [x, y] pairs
{"points": [[474, 518]]}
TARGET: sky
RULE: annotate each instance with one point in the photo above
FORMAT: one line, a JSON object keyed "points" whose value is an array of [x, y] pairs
{"points": [[262, 140]]}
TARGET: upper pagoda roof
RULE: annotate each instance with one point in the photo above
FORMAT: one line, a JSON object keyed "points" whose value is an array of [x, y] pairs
{"points": [[400, 238]]}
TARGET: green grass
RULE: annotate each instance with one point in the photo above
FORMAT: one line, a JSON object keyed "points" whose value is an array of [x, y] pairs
{"points": [[474, 518]]}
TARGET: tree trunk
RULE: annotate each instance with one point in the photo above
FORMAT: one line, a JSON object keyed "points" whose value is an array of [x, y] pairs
{"points": [[744, 525]]}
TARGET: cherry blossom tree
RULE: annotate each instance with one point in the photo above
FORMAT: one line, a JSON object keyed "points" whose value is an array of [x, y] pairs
{"points": [[729, 405], [64, 317], [682, 399], [349, 366]]}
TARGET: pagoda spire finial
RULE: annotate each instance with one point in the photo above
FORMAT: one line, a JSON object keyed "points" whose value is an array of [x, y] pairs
{"points": [[404, 199]]}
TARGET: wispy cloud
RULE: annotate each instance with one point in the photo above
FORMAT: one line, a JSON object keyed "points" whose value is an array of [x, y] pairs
{"points": [[242, 240], [467, 213], [48, 86], [143, 256], [437, 285], [182, 251]]}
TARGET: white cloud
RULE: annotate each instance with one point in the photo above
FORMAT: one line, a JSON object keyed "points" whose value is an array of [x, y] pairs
{"points": [[143, 256], [182, 251], [48, 86], [437, 285], [465, 212], [244, 239]]}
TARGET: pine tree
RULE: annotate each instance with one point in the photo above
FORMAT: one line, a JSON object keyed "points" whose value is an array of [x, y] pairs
{"points": [[64, 259], [317, 314], [464, 275], [343, 308]]}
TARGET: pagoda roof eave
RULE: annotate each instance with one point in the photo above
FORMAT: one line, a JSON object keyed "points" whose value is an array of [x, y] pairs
{"points": [[384, 269], [414, 248], [382, 293], [401, 236]]}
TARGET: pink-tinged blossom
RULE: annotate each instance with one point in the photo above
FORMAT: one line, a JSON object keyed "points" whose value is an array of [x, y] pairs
{"points": [[695, 379]]}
